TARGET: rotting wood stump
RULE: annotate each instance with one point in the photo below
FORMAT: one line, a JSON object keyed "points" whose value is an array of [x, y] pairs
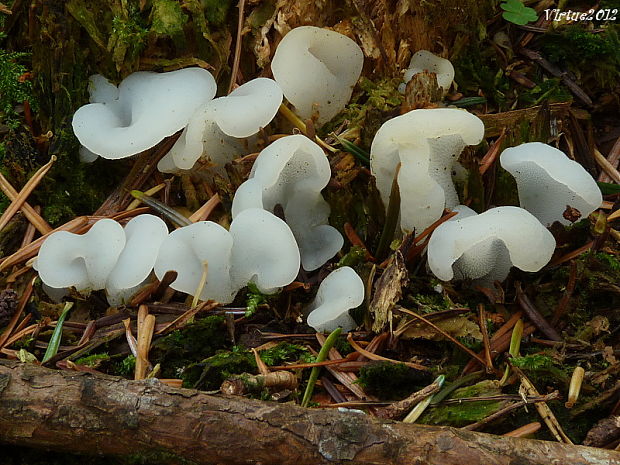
{"points": [[83, 413]]}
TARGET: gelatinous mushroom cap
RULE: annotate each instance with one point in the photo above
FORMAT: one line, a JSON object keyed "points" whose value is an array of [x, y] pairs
{"points": [[339, 292], [484, 247], [427, 143], [148, 107], [83, 261], [188, 250], [549, 182], [144, 235], [426, 61], [317, 66], [265, 251], [215, 127], [291, 172]]}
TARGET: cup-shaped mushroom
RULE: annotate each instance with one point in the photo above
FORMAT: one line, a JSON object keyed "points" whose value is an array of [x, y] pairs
{"points": [[192, 251], [315, 66], [265, 251], [550, 183], [144, 235], [484, 247], [291, 172], [426, 143], [82, 261], [216, 127], [341, 291], [425, 61], [149, 106]]}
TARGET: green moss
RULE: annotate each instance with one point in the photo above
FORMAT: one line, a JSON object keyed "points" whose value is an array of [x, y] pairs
{"points": [[211, 372], [254, 298], [551, 90], [216, 10], [167, 17], [285, 352], [369, 108], [353, 257], [188, 345], [461, 414], [14, 87], [590, 54], [94, 360], [391, 381], [125, 367], [72, 188]]}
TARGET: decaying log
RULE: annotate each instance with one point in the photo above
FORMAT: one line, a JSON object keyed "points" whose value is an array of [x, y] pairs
{"points": [[82, 412]]}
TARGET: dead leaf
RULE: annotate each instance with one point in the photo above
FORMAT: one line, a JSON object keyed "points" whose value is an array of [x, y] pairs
{"points": [[388, 291]]}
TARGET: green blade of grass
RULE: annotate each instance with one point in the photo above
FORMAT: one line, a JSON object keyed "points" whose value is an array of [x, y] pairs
{"points": [[314, 374], [54, 344], [162, 208]]}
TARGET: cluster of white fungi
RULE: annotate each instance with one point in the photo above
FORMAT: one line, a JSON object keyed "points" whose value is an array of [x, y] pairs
{"points": [[316, 70]]}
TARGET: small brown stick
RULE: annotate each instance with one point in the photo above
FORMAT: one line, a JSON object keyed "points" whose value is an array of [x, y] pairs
{"points": [[607, 167], [354, 239], [299, 366], [371, 356], [18, 313], [32, 249], [525, 430], [183, 319], [332, 390], [445, 334], [432, 227], [32, 183], [613, 157], [570, 255], [203, 212], [485, 337], [500, 413], [30, 231], [263, 369], [492, 153], [398, 410], [31, 214], [237, 58], [560, 310], [509, 408], [131, 340], [90, 329], [244, 384], [145, 335], [534, 315], [543, 409], [347, 379]]}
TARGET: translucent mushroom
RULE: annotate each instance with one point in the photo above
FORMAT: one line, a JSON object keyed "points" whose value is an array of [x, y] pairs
{"points": [[426, 143], [484, 247], [265, 251], [144, 109], [341, 291], [82, 261], [425, 61], [291, 172], [215, 129], [317, 66], [203, 247], [259, 248], [549, 182], [144, 235]]}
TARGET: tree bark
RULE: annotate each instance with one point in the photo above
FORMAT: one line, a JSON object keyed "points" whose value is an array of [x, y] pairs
{"points": [[85, 413]]}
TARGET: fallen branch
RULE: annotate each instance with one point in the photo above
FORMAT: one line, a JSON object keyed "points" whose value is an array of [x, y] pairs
{"points": [[86, 413]]}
